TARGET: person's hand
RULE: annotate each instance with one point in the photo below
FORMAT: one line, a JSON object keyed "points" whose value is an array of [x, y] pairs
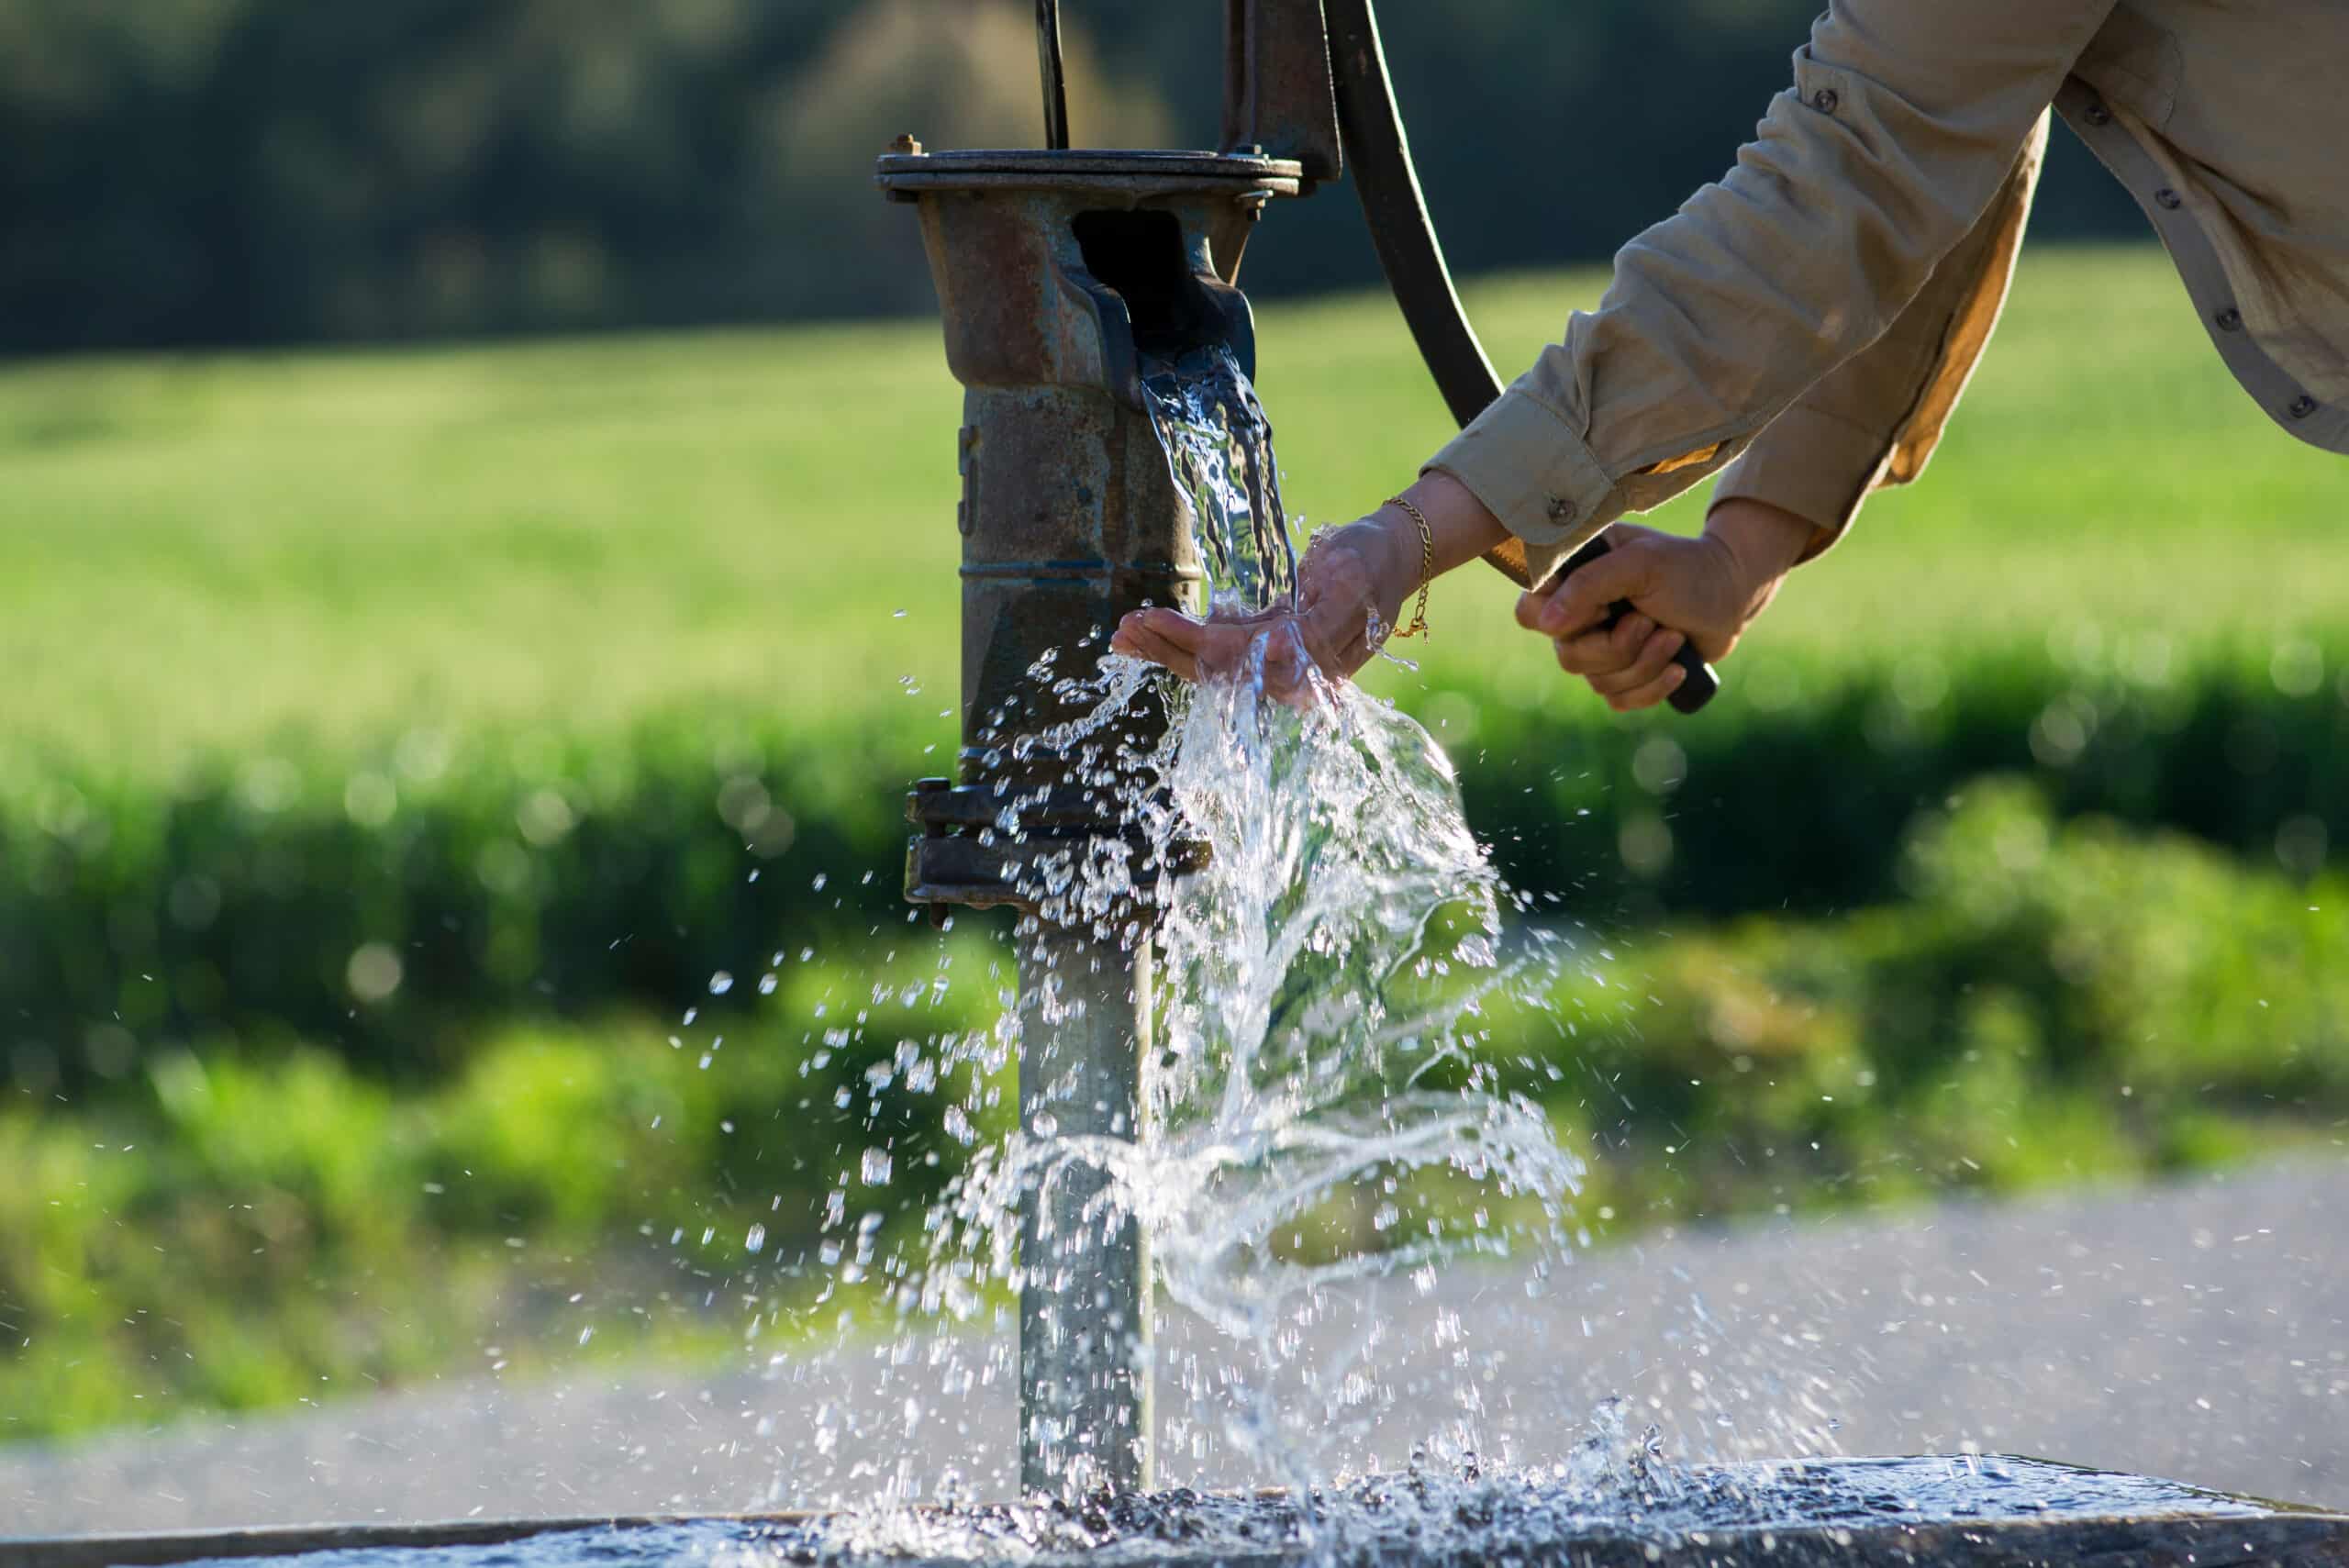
{"points": [[1349, 588], [1705, 590]]}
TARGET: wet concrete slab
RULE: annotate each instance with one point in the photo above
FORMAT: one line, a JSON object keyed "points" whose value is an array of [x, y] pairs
{"points": [[1842, 1513]]}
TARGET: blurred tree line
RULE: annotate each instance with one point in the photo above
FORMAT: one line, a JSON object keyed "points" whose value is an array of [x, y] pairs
{"points": [[186, 172]]}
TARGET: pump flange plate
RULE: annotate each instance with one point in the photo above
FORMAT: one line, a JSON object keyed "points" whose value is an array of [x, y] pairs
{"points": [[964, 856], [1141, 173]]}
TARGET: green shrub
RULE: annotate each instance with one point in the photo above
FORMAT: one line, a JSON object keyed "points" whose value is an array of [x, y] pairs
{"points": [[539, 882], [1757, 805], [2053, 1000], [2045, 999], [391, 908], [236, 1231]]}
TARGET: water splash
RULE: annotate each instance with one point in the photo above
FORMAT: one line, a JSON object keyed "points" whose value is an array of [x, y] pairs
{"points": [[1315, 1107], [1991, 1508]]}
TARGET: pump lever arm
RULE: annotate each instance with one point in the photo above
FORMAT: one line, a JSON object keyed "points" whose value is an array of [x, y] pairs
{"points": [[1055, 73], [1371, 130]]}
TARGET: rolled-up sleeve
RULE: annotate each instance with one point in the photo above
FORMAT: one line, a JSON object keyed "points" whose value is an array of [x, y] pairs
{"points": [[1905, 125], [1874, 421]]}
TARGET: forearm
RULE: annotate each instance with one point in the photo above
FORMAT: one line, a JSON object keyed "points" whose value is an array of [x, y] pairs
{"points": [[1462, 529], [1762, 542], [1875, 420], [1755, 543], [1905, 118]]}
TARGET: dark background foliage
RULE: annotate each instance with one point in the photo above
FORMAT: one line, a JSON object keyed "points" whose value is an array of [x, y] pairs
{"points": [[250, 171]]}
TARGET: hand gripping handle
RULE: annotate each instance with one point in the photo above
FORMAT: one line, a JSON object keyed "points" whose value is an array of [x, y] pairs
{"points": [[1701, 683]]}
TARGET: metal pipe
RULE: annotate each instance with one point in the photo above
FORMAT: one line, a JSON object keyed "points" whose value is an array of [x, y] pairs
{"points": [[1053, 270], [1085, 1322]]}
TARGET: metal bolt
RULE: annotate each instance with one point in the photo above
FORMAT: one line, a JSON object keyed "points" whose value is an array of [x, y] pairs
{"points": [[1825, 100], [2167, 199], [2302, 406], [904, 143], [2229, 319]]}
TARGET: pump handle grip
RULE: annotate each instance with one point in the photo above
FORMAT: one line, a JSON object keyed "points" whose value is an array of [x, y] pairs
{"points": [[1700, 684]]}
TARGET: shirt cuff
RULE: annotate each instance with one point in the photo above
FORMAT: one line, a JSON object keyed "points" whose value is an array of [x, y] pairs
{"points": [[1815, 465], [1533, 471]]}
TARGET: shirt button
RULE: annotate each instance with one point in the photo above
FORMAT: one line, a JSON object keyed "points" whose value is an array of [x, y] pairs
{"points": [[2229, 319], [1825, 100], [2167, 199], [2098, 114], [2302, 406], [1560, 509]]}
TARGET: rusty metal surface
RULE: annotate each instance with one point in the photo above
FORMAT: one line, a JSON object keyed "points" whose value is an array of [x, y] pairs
{"points": [[1087, 1398], [1278, 94], [964, 855], [936, 806], [1056, 274], [1054, 271], [1102, 166]]}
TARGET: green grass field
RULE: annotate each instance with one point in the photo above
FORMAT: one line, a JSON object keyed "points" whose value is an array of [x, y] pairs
{"points": [[206, 557]]}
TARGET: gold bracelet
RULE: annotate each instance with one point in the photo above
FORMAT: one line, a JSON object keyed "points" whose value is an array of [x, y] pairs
{"points": [[1418, 626]]}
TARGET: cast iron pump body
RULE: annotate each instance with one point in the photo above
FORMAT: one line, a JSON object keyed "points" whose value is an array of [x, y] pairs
{"points": [[1056, 271]]}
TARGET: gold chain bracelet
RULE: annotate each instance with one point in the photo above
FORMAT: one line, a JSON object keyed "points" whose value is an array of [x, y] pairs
{"points": [[1418, 626]]}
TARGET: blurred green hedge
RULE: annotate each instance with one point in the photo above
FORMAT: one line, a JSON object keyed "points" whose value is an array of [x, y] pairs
{"points": [[1782, 798], [224, 1232], [387, 909], [2048, 1000], [2051, 1001]]}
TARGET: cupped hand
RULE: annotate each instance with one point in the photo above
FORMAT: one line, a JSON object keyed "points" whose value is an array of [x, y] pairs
{"points": [[1349, 588], [1704, 591]]}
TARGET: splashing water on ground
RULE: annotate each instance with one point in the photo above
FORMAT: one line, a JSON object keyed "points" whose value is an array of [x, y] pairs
{"points": [[2001, 1509], [1315, 1107], [1295, 894]]}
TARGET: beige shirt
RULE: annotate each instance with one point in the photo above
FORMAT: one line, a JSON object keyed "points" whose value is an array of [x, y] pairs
{"points": [[1815, 315]]}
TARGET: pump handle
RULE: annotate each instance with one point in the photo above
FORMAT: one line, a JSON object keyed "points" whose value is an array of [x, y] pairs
{"points": [[1371, 130], [1055, 73]]}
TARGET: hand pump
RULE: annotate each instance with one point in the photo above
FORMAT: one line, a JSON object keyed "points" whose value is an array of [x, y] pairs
{"points": [[1055, 269]]}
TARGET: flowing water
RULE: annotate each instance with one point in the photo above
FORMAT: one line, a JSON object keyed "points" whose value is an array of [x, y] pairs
{"points": [[1315, 1109]]}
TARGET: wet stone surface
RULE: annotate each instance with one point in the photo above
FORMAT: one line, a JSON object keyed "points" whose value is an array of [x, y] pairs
{"points": [[1992, 1509]]}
